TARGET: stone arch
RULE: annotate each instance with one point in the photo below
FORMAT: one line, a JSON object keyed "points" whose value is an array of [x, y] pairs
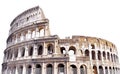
{"points": [[72, 50], [20, 70], [63, 50], [38, 69], [30, 52], [29, 69], [92, 46], [106, 70], [86, 52], [99, 55], [61, 69], [93, 55], [49, 69], [110, 69], [95, 70], [101, 70], [83, 69], [108, 56], [23, 52], [50, 48], [15, 53], [104, 55], [111, 57], [42, 32], [40, 50], [73, 69]]}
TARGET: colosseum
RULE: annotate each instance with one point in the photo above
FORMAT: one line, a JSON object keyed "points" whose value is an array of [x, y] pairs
{"points": [[31, 49]]}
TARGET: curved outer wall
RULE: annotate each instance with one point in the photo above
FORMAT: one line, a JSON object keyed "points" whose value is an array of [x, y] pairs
{"points": [[31, 49]]}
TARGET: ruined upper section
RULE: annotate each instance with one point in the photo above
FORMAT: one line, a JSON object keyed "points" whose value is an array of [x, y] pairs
{"points": [[29, 17]]}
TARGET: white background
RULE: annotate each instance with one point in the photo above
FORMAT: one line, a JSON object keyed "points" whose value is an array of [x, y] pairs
{"points": [[96, 18]]}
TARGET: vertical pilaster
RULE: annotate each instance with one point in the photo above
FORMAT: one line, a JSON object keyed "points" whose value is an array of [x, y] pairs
{"points": [[35, 50], [43, 69], [24, 69], [55, 69], [37, 34], [26, 51]]}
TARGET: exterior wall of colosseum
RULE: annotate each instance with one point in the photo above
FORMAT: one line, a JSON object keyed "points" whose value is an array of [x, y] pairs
{"points": [[31, 49]]}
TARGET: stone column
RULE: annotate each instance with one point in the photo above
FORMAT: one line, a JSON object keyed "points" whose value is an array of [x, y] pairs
{"points": [[24, 69], [19, 53], [55, 68], [33, 69], [26, 51], [37, 34], [68, 68], [43, 69], [44, 49], [35, 50], [29, 34], [16, 71]]}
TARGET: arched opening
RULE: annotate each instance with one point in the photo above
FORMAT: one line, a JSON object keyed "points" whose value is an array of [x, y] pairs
{"points": [[50, 48], [110, 69], [92, 46], [95, 70], [72, 50], [61, 69], [73, 69], [108, 56], [111, 57], [40, 50], [31, 51], [16, 53], [49, 69], [101, 70], [83, 69], [106, 70], [113, 70], [99, 55], [20, 70], [38, 69], [42, 32], [22, 52], [29, 69], [62, 49], [10, 54], [33, 34], [104, 55], [13, 70], [93, 55], [86, 52]]}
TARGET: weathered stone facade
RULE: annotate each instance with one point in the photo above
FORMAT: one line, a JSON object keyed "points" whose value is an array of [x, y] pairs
{"points": [[31, 49]]}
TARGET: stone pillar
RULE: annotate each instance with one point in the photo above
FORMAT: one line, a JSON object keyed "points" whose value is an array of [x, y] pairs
{"points": [[29, 34], [44, 49], [55, 68], [108, 70], [103, 70], [35, 50], [19, 53], [26, 51], [97, 69], [16, 71], [43, 69], [24, 69], [37, 34], [68, 68], [33, 69], [78, 69]]}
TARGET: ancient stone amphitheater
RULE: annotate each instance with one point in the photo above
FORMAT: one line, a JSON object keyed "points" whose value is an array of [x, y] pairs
{"points": [[31, 49]]}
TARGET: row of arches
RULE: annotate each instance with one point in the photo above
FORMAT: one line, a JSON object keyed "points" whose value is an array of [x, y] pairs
{"points": [[37, 69], [26, 35], [61, 69], [100, 55], [105, 70]]}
